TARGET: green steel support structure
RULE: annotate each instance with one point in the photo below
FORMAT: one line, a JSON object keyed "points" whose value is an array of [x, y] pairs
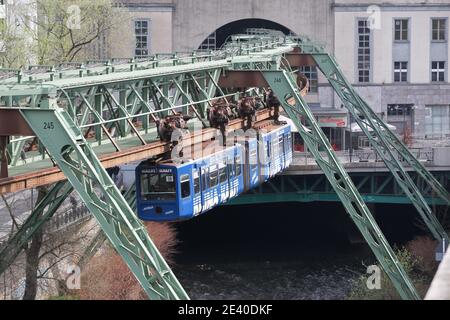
{"points": [[115, 105], [285, 88], [386, 144], [52, 202], [375, 187], [65, 142]]}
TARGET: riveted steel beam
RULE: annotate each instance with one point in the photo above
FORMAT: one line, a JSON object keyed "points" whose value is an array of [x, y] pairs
{"points": [[286, 89]]}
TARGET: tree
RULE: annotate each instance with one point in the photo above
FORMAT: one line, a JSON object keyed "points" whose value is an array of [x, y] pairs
{"points": [[107, 277], [14, 47], [49, 32], [65, 29]]}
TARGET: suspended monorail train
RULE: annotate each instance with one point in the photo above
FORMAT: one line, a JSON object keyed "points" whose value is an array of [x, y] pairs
{"points": [[173, 192]]}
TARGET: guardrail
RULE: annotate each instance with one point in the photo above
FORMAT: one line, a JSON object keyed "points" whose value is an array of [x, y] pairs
{"points": [[67, 219], [364, 156], [61, 221]]}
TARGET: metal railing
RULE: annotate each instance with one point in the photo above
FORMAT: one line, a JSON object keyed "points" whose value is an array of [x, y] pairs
{"points": [[425, 155]]}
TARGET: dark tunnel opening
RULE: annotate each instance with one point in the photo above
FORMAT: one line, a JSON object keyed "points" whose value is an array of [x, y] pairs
{"points": [[240, 26]]}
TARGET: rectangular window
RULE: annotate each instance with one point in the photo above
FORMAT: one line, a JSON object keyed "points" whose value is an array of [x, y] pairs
{"points": [[281, 145], [157, 186], [213, 176], [401, 29], [310, 72], [205, 178], [438, 71], [395, 110], [363, 51], [400, 71], [437, 120], [196, 183], [238, 164], [253, 160], [231, 167], [210, 43], [142, 35], [185, 181], [439, 29], [223, 173]]}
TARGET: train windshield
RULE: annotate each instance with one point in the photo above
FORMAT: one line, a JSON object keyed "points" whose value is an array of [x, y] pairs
{"points": [[158, 186]]}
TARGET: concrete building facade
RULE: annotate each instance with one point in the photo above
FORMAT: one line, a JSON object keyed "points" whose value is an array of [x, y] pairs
{"points": [[395, 52]]}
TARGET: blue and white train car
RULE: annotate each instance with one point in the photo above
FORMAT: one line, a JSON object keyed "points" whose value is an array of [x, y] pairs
{"points": [[171, 192]]}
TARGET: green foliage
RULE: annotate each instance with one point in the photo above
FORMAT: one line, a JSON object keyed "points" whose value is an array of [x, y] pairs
{"points": [[62, 31], [66, 27], [412, 265]]}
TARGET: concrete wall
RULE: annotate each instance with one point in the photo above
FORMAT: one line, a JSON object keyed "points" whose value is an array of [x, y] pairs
{"points": [[195, 20], [382, 40], [160, 17]]}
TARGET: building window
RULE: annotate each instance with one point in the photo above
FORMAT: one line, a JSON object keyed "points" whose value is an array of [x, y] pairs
{"points": [[399, 110], [437, 120], [363, 51], [210, 43], [438, 71], [401, 29], [439, 29], [142, 38], [310, 72], [400, 71]]}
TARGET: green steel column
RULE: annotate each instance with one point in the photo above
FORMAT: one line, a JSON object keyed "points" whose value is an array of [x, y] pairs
{"points": [[379, 136], [98, 102], [286, 88], [52, 202], [85, 173], [144, 103], [123, 103]]}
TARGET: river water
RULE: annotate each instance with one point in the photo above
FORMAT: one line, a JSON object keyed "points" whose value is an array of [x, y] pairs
{"points": [[269, 252]]}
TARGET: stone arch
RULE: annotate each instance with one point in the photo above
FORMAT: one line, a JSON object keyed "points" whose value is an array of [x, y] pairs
{"points": [[239, 26]]}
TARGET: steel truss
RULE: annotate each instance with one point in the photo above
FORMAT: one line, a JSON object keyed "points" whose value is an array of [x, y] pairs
{"points": [[386, 144], [110, 103], [38, 217], [286, 89], [375, 187], [84, 171]]}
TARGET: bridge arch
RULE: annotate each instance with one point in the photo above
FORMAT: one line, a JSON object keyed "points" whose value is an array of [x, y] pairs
{"points": [[194, 21], [217, 38]]}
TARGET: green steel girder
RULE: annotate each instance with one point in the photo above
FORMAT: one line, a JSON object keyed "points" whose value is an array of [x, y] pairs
{"points": [[386, 144], [96, 108], [374, 187], [74, 103], [286, 88], [52, 202], [83, 170]]}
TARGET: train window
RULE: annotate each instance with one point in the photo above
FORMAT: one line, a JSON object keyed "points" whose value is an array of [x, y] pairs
{"points": [[185, 181], [275, 148], [205, 178], [231, 168], [213, 176], [253, 160], [223, 173], [281, 144], [158, 186], [196, 183], [238, 163]]}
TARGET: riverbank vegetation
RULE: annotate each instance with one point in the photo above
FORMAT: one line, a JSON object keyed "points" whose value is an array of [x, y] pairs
{"points": [[417, 258]]}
